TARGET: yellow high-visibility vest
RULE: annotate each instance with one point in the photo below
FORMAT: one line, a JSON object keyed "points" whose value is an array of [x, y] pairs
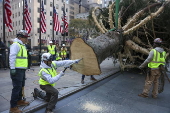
{"points": [[51, 49], [158, 59], [22, 57], [49, 71]]}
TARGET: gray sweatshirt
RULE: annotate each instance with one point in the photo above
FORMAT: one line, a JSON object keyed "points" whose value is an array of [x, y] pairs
{"points": [[150, 57], [48, 77]]}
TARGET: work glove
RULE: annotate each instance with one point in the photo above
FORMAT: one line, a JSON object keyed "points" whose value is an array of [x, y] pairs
{"points": [[12, 71], [61, 73]]}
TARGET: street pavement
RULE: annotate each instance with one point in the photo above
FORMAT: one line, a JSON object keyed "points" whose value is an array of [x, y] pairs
{"points": [[67, 85]]}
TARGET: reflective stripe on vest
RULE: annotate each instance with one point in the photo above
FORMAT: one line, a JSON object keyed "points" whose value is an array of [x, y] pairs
{"points": [[51, 49], [49, 71], [22, 57], [158, 59]]}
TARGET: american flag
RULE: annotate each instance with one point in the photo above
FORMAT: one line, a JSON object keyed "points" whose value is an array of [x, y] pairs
{"points": [[8, 14], [27, 18], [65, 29], [56, 22], [43, 19]]}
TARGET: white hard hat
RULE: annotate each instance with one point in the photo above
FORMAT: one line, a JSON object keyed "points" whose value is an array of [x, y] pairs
{"points": [[50, 42], [23, 34], [46, 57], [63, 45], [158, 40]]}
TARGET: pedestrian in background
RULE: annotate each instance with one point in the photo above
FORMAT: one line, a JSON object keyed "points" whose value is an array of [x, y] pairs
{"points": [[155, 61], [48, 77], [83, 76], [63, 52], [52, 50], [18, 60], [3, 54]]}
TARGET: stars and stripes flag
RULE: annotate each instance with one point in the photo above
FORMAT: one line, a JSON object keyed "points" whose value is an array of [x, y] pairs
{"points": [[65, 29], [43, 19], [27, 18], [8, 14], [56, 22]]}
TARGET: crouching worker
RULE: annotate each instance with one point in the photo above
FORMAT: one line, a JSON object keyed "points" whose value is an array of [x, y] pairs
{"points": [[48, 77]]}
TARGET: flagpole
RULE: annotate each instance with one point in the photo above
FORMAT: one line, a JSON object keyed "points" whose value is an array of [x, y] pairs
{"points": [[4, 22], [53, 23], [23, 15], [64, 22], [40, 33]]}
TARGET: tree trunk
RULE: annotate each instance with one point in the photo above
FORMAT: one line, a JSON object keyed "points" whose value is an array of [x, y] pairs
{"points": [[94, 51]]}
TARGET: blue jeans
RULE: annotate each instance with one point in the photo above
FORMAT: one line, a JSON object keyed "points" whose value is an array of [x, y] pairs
{"points": [[18, 81]]}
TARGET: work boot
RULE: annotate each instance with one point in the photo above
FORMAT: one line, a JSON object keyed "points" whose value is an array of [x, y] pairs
{"points": [[143, 95], [48, 111], [15, 110], [82, 81], [22, 103], [92, 78]]}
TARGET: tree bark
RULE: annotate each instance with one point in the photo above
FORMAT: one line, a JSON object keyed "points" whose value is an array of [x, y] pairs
{"points": [[101, 47]]}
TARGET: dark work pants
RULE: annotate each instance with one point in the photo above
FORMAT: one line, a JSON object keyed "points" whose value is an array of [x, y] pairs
{"points": [[18, 81], [83, 76], [3, 60], [51, 95]]}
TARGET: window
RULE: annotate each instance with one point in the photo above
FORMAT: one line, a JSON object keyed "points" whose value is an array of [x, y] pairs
{"points": [[38, 20], [16, 23], [57, 6], [13, 24], [51, 22], [38, 30], [12, 15], [56, 33], [38, 1], [45, 2], [51, 13], [51, 4], [19, 22], [38, 10], [15, 14], [66, 10], [29, 10]]}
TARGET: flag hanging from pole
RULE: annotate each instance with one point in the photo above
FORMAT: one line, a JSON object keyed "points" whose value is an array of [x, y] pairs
{"points": [[7, 15], [65, 28], [56, 22], [43, 19], [27, 18]]}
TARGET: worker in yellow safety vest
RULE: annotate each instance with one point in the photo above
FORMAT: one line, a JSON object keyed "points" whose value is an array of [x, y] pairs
{"points": [[48, 77], [155, 61], [18, 61], [63, 52], [52, 50]]}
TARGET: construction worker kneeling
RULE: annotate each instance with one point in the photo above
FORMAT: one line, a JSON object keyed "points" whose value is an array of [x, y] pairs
{"points": [[48, 77]]}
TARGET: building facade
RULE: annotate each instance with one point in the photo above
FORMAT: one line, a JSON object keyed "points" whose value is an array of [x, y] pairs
{"points": [[34, 9]]}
